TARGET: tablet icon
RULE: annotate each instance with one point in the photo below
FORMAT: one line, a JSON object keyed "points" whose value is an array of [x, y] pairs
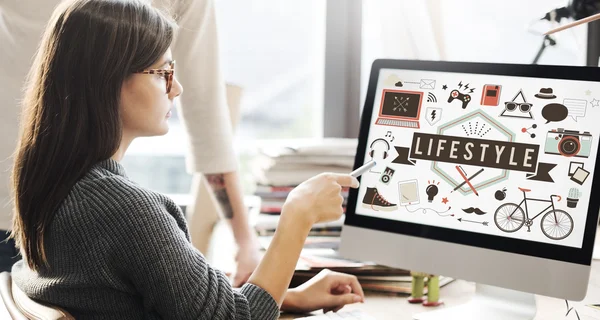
{"points": [[409, 192]]}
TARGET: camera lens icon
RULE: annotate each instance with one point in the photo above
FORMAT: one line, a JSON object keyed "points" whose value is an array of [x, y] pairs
{"points": [[569, 146]]}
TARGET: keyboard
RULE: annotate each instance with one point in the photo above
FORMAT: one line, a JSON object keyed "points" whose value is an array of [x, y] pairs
{"points": [[397, 123], [346, 315]]}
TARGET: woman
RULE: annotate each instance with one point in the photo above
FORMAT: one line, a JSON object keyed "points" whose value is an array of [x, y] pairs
{"points": [[96, 243]]}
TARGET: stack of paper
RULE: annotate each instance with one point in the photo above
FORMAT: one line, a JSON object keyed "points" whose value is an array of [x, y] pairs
{"points": [[290, 162], [281, 165]]}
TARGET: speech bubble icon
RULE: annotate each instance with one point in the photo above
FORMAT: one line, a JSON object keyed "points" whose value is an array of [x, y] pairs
{"points": [[576, 107], [555, 112]]}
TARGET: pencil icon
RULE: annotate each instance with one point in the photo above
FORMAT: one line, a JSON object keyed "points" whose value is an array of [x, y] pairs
{"points": [[467, 180]]}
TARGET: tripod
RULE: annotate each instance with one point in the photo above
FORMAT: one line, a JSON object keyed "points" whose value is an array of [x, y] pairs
{"points": [[548, 41]]}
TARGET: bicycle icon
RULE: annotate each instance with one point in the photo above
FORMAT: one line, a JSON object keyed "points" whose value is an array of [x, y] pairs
{"points": [[556, 224]]}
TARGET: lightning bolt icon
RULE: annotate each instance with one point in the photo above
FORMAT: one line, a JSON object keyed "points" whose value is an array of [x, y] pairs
{"points": [[466, 86], [472, 89], [432, 115], [460, 85]]}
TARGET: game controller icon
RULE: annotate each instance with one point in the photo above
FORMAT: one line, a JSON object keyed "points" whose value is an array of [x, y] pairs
{"points": [[465, 98]]}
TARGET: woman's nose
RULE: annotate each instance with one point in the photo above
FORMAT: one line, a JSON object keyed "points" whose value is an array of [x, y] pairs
{"points": [[176, 89]]}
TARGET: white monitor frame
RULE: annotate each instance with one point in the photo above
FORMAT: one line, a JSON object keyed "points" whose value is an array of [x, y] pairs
{"points": [[536, 268]]}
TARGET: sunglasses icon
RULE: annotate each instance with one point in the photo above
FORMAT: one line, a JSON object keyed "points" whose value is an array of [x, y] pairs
{"points": [[512, 106]]}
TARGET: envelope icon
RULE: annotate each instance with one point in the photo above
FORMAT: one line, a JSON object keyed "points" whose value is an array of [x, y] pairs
{"points": [[427, 84]]}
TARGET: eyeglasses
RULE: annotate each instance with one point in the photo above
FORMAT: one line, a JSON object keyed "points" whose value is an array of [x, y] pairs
{"points": [[512, 106], [167, 73]]}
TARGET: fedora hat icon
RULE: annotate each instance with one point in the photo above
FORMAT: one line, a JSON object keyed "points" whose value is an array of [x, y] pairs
{"points": [[545, 93]]}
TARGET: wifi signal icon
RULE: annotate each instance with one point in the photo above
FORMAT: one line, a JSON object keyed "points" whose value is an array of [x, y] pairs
{"points": [[431, 97]]}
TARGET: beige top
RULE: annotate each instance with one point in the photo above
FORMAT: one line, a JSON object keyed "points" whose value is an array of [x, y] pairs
{"points": [[203, 105]]}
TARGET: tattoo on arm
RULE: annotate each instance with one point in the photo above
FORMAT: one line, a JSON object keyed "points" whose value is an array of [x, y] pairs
{"points": [[217, 182]]}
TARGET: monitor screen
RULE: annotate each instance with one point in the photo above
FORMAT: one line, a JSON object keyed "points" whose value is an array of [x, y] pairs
{"points": [[501, 157]]}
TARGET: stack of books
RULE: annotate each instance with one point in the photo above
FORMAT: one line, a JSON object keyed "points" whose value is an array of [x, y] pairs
{"points": [[281, 165], [287, 163]]}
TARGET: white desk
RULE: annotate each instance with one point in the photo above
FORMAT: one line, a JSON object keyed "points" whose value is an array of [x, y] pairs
{"points": [[396, 307], [459, 291]]}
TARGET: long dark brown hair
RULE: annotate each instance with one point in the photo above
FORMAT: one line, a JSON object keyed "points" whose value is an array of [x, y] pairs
{"points": [[71, 116]]}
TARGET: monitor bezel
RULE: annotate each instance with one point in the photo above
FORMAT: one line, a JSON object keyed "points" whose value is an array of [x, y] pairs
{"points": [[581, 255]]}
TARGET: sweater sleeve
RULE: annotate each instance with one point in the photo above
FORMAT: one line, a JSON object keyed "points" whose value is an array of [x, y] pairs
{"points": [[175, 280]]}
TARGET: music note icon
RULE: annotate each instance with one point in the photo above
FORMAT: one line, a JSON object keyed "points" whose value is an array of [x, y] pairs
{"points": [[388, 134], [392, 139]]}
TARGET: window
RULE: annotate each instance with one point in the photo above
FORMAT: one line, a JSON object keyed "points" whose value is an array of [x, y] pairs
{"points": [[274, 50], [465, 30]]}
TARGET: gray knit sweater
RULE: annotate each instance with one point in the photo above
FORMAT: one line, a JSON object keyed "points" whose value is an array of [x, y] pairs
{"points": [[119, 251]]}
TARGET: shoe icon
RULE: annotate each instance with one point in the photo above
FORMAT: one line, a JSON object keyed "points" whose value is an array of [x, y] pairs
{"points": [[373, 200]]}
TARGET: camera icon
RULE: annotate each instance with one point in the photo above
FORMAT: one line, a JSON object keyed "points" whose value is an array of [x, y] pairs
{"points": [[568, 143]]}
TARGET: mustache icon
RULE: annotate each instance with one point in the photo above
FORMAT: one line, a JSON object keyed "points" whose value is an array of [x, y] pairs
{"points": [[474, 210]]}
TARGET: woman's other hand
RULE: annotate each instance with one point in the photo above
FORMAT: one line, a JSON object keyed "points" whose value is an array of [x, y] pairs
{"points": [[247, 259], [328, 290]]}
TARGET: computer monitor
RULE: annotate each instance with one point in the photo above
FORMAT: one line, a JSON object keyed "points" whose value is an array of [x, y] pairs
{"points": [[495, 187]]}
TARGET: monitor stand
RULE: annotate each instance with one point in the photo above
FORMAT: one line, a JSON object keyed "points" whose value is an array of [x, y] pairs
{"points": [[490, 303]]}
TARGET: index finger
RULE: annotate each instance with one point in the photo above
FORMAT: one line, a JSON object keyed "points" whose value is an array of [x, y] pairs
{"points": [[345, 180]]}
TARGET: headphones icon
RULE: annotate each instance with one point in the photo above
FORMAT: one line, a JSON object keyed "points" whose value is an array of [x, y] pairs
{"points": [[385, 153]]}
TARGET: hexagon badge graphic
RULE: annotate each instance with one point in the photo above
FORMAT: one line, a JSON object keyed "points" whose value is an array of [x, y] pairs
{"points": [[477, 125]]}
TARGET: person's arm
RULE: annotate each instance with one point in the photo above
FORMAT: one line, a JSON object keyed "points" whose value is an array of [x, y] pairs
{"points": [[228, 192], [316, 200]]}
